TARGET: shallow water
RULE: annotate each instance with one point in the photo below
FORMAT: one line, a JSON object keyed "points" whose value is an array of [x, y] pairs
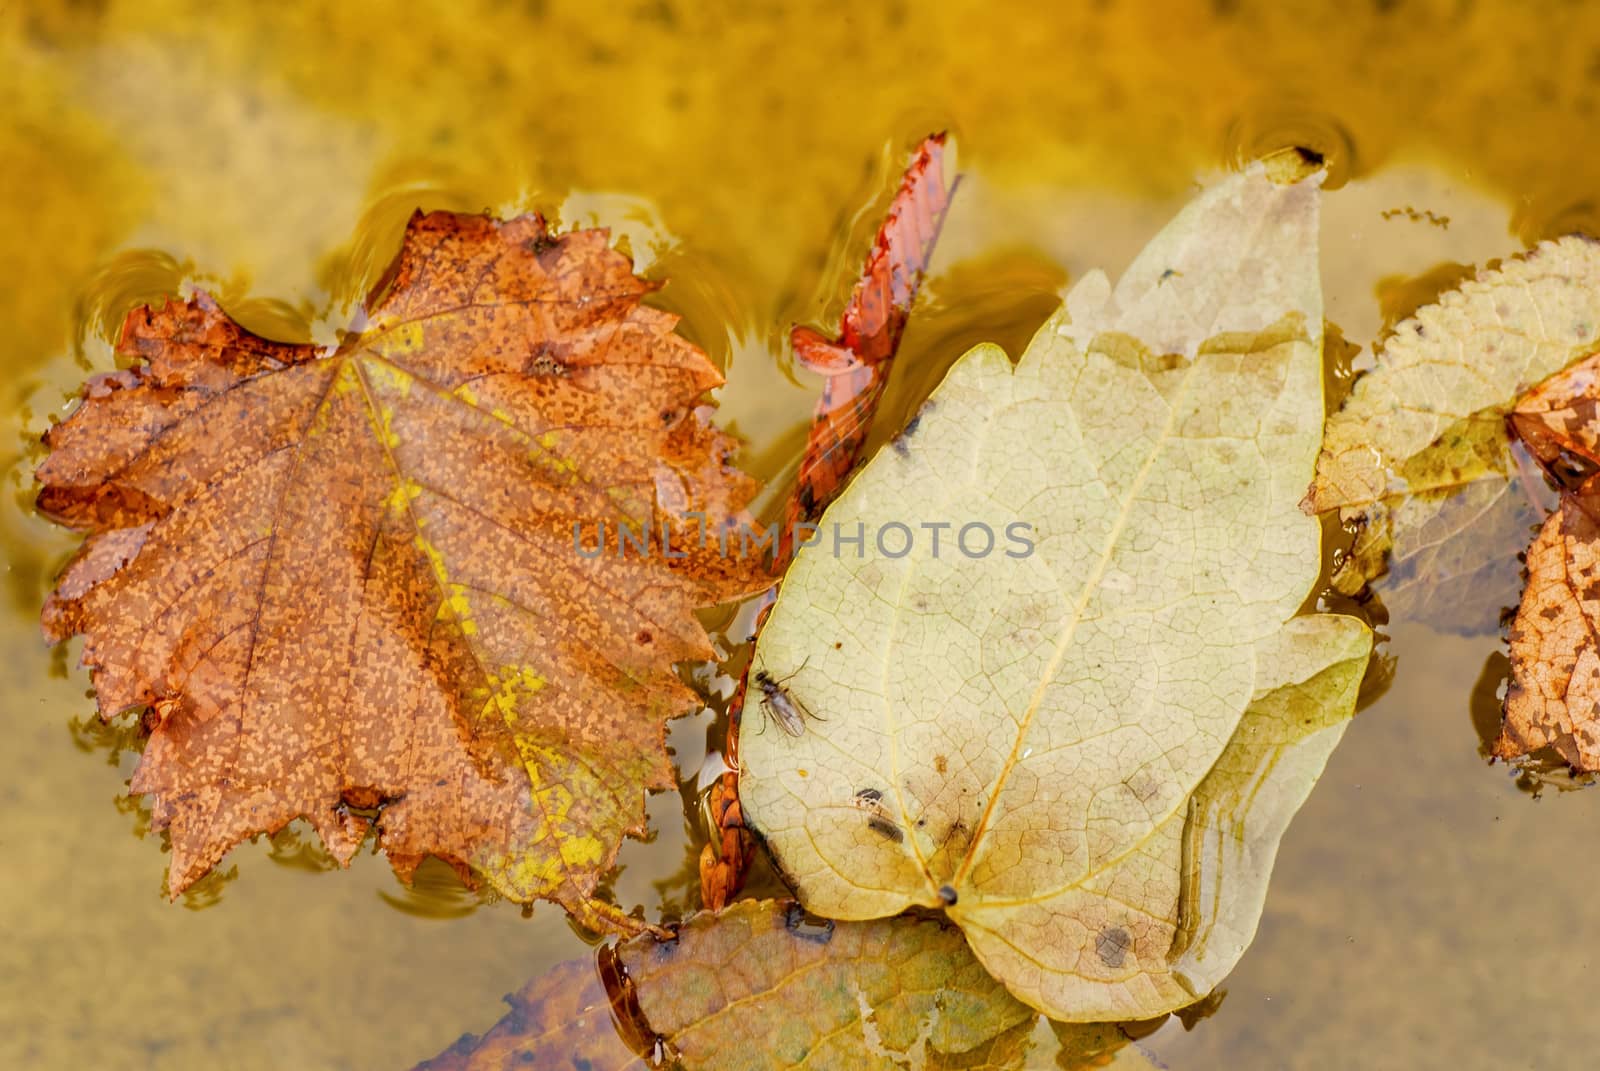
{"points": [[1424, 910]]}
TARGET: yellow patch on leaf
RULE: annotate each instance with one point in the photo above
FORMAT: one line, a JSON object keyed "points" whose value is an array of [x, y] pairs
{"points": [[348, 577]]}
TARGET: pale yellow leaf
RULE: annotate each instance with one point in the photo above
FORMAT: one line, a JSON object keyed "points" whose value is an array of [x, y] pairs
{"points": [[1469, 354], [1020, 739], [1427, 423]]}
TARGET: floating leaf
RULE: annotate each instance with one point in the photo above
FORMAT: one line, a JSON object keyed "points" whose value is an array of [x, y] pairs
{"points": [[856, 363], [761, 986], [561, 1019], [345, 581], [1427, 424], [1554, 697], [1466, 356], [1023, 737]]}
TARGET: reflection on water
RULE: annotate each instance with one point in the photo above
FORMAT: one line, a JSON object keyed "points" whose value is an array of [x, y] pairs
{"points": [[207, 892], [129, 279], [1400, 296], [1554, 214], [273, 154], [435, 892], [349, 274], [118, 739]]}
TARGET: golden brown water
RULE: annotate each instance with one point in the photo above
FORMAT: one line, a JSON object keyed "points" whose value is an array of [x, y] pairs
{"points": [[1424, 912]]}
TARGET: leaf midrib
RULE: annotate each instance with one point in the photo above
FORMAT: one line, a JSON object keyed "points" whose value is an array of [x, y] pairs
{"points": [[1069, 632]]}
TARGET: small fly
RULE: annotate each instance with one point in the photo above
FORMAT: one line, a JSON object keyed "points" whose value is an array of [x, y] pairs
{"points": [[780, 706]]}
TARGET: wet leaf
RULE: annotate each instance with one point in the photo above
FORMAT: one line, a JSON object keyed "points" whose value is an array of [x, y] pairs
{"points": [[1025, 739], [345, 581], [763, 987], [856, 364], [1466, 356], [1427, 425], [1562, 415], [857, 361], [1554, 696], [1449, 558]]}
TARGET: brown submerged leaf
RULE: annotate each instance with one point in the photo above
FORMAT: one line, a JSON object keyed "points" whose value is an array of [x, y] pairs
{"points": [[561, 1019], [762, 987], [347, 580]]}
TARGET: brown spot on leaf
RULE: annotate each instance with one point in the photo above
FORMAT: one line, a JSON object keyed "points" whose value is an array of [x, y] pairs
{"points": [[545, 363], [365, 798], [1141, 786], [1112, 945], [885, 828]]}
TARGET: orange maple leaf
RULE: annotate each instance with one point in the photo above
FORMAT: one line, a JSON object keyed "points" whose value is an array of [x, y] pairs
{"points": [[346, 582]]}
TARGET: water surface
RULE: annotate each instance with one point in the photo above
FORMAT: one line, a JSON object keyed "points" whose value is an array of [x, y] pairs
{"points": [[1424, 910]]}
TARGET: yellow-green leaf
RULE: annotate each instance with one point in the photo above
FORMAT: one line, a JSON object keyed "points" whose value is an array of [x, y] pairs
{"points": [[1427, 424], [1025, 740], [1470, 353], [761, 987]]}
